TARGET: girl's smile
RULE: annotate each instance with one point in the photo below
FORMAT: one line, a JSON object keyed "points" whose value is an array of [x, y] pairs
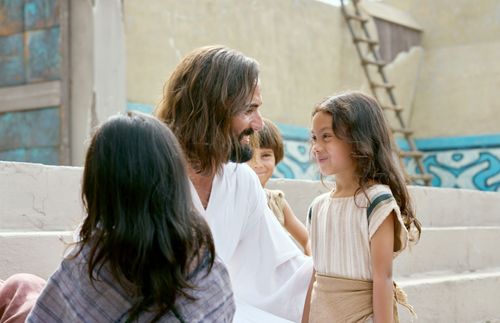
{"points": [[332, 154]]}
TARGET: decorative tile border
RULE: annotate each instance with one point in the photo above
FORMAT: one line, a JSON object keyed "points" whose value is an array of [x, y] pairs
{"points": [[297, 162], [469, 168], [471, 162]]}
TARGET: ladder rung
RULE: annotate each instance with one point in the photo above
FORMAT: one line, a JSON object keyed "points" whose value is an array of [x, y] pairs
{"points": [[412, 153], [365, 40], [357, 18], [382, 85], [392, 108], [425, 177], [368, 61], [402, 130]]}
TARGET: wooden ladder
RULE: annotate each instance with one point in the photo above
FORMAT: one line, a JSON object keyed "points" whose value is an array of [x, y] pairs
{"points": [[372, 59]]}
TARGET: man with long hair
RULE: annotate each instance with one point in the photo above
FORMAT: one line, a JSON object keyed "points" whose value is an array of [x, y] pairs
{"points": [[211, 102]]}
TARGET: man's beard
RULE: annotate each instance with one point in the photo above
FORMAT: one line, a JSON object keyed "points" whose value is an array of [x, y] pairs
{"points": [[241, 153]]}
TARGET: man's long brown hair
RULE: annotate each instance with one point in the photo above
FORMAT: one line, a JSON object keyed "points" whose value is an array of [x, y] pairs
{"points": [[359, 121], [209, 86]]}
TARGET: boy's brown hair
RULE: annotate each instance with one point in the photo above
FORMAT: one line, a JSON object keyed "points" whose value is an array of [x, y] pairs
{"points": [[270, 137]]}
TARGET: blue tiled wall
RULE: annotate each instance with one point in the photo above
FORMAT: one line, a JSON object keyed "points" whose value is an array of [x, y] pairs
{"points": [[40, 14], [12, 13], [12, 70], [30, 136], [43, 54], [30, 53]]}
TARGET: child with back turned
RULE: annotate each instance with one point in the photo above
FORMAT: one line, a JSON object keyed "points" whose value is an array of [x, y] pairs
{"points": [[144, 253]]}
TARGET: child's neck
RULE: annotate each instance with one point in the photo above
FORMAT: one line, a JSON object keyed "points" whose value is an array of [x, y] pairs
{"points": [[346, 184]]}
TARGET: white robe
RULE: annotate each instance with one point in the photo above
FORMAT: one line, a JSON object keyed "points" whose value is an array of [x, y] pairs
{"points": [[267, 270]]}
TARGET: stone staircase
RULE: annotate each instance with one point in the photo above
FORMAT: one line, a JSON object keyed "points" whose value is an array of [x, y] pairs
{"points": [[451, 275], [39, 210]]}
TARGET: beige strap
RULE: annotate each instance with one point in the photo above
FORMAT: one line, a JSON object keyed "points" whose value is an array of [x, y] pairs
{"points": [[402, 299]]}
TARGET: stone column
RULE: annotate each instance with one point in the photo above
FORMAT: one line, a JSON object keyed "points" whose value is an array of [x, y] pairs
{"points": [[98, 85]]}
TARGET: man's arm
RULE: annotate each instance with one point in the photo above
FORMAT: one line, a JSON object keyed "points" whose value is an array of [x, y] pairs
{"points": [[268, 270]]}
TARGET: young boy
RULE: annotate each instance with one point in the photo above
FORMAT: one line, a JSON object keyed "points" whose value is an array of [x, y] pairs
{"points": [[268, 154]]}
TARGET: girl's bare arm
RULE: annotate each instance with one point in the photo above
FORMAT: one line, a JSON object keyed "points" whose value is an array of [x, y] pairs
{"points": [[382, 245], [296, 229]]}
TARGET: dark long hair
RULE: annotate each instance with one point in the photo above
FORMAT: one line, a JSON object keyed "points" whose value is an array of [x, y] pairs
{"points": [[141, 222], [359, 121], [209, 86]]}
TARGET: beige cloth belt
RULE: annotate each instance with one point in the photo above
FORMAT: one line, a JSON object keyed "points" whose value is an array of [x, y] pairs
{"points": [[344, 300]]}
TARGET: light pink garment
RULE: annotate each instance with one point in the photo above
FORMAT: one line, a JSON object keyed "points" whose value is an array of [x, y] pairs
{"points": [[18, 294]]}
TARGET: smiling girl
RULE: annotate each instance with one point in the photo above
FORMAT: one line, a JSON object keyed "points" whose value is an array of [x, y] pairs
{"points": [[359, 227]]}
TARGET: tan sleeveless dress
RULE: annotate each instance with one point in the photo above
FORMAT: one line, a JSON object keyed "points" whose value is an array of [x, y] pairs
{"points": [[340, 231]]}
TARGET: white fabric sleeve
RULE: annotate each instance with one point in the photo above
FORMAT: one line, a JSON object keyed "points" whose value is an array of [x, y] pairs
{"points": [[268, 270], [378, 216]]}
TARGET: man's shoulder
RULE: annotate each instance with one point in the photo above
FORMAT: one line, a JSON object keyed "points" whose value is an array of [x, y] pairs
{"points": [[241, 178], [239, 173]]}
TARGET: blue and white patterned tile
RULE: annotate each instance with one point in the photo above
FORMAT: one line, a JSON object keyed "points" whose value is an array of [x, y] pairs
{"points": [[469, 168], [297, 162]]}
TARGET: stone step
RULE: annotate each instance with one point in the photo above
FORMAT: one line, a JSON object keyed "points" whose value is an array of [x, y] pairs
{"points": [[451, 207], [35, 197], [471, 297], [444, 296], [38, 253], [435, 207], [457, 249]]}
